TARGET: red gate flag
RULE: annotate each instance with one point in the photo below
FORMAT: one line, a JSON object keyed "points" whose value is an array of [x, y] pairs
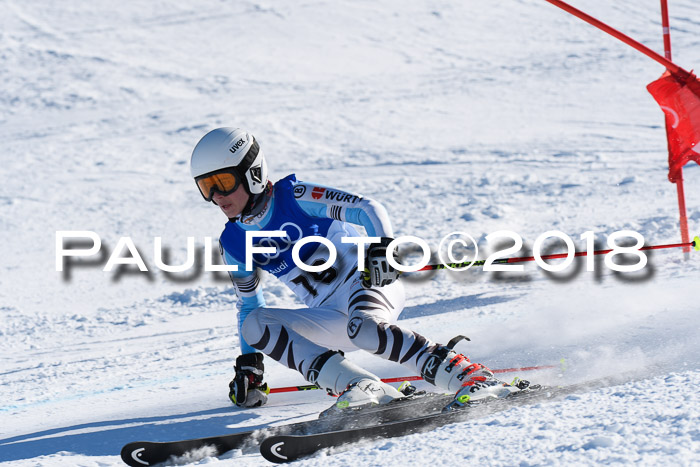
{"points": [[679, 98]]}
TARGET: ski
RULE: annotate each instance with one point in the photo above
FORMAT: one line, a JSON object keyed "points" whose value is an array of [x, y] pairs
{"points": [[140, 453], [283, 448]]}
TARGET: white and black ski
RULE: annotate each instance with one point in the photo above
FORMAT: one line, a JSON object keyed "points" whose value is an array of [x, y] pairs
{"points": [[286, 443], [283, 448], [140, 453]]}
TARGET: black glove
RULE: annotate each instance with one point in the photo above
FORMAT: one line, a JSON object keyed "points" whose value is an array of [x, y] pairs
{"points": [[247, 388], [378, 271]]}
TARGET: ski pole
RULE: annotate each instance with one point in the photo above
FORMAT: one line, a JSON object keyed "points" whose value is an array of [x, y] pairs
{"points": [[309, 387], [430, 267]]}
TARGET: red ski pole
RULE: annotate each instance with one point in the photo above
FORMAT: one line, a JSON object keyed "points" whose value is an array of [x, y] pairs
{"points": [[401, 379], [695, 243]]}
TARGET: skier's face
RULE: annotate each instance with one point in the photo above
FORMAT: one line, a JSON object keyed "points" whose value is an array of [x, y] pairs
{"points": [[232, 205]]}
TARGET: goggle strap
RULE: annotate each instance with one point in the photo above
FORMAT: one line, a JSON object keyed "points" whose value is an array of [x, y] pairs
{"points": [[249, 157]]}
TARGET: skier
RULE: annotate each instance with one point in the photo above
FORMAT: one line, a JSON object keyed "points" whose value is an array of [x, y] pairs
{"points": [[346, 308]]}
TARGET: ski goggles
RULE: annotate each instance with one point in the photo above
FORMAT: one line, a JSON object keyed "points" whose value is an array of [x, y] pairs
{"points": [[224, 181]]}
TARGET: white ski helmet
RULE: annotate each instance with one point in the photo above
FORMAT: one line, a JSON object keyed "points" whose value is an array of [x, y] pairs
{"points": [[229, 150]]}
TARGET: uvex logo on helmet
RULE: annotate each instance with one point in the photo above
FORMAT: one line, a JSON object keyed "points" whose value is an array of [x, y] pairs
{"points": [[236, 146]]}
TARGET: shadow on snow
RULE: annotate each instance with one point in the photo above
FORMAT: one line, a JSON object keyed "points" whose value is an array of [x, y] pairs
{"points": [[106, 438], [453, 304]]}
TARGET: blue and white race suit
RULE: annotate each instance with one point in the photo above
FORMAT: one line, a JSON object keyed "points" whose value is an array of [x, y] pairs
{"points": [[340, 314]]}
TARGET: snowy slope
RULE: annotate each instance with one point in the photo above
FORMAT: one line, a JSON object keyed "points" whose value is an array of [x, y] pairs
{"points": [[473, 116]]}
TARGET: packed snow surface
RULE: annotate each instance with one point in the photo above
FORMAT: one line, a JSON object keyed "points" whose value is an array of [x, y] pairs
{"points": [[469, 116]]}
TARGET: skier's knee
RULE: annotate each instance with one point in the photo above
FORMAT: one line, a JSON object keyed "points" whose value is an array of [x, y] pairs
{"points": [[366, 333], [252, 329]]}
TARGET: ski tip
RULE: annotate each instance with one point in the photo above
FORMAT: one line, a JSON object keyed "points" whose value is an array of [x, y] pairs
{"points": [[133, 454], [696, 243], [274, 449]]}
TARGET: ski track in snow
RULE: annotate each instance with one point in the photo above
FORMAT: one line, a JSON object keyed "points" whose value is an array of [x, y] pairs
{"points": [[469, 116]]}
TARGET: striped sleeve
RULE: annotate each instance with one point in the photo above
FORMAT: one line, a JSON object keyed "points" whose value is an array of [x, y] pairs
{"points": [[246, 283]]}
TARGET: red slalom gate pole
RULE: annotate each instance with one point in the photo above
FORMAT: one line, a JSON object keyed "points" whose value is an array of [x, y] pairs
{"points": [[683, 213], [680, 192], [670, 66], [401, 379], [666, 30]]}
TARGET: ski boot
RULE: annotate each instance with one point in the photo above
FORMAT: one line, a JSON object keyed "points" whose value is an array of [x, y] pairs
{"points": [[469, 381], [367, 392], [354, 386]]}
